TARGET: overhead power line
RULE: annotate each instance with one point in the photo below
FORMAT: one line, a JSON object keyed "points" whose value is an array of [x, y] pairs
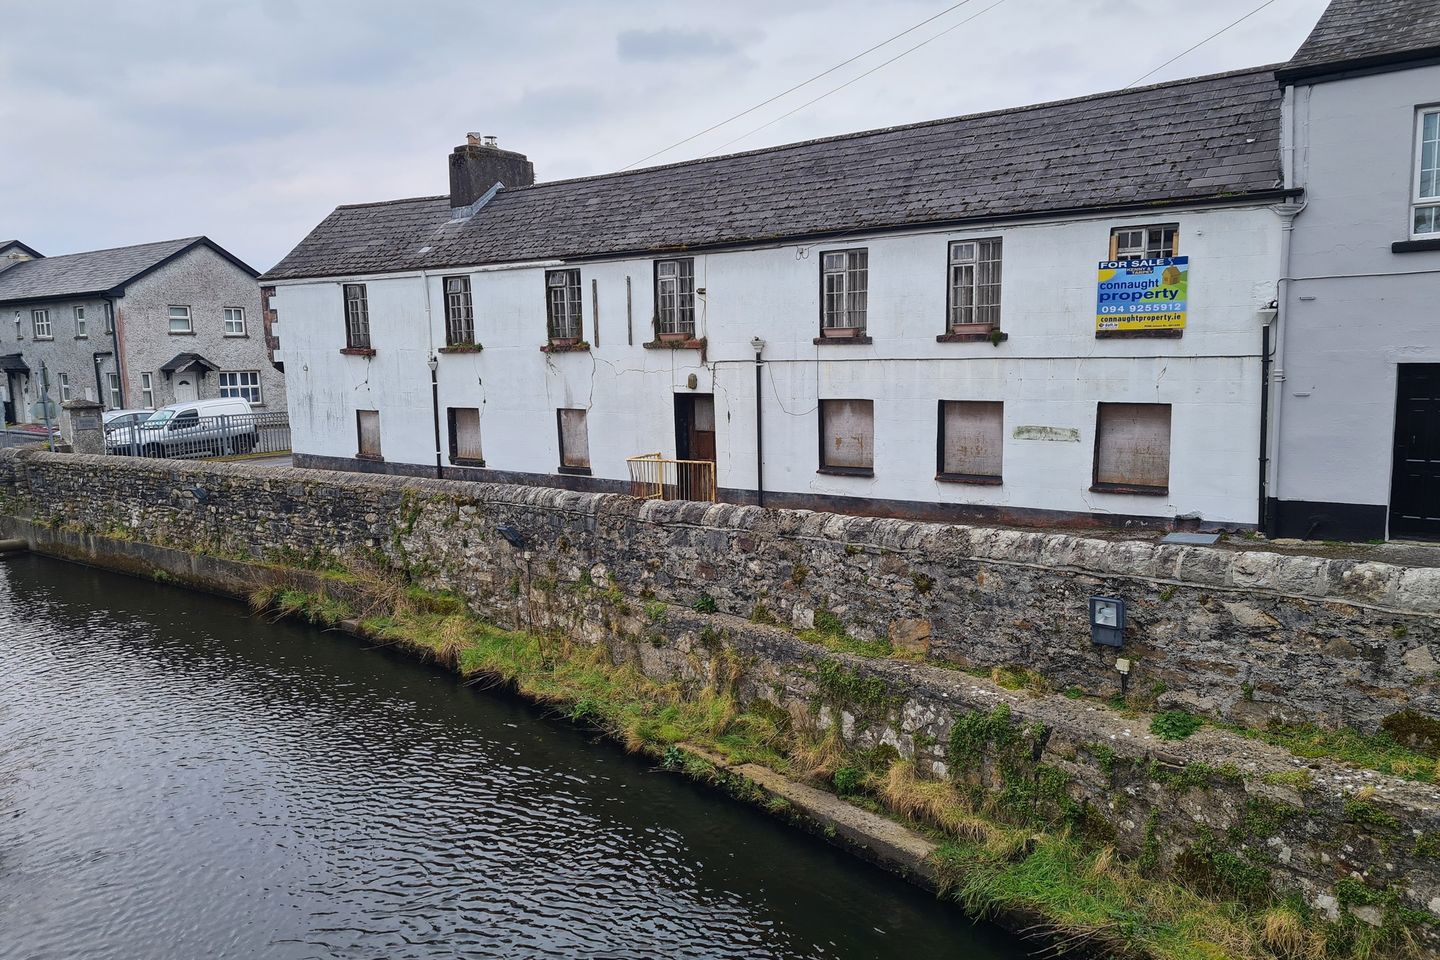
{"points": [[803, 83], [862, 76], [1200, 44]]}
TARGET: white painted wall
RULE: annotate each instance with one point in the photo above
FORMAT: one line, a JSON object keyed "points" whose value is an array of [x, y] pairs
{"points": [[1051, 372]]}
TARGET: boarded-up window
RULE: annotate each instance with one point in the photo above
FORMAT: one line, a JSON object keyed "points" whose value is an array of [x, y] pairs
{"points": [[574, 440], [1132, 447], [465, 435], [367, 426], [847, 436], [972, 436]]}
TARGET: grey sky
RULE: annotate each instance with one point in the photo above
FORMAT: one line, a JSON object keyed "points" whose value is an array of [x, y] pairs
{"points": [[249, 120]]}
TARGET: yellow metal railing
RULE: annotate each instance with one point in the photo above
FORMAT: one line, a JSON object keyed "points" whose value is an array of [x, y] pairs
{"points": [[653, 477]]}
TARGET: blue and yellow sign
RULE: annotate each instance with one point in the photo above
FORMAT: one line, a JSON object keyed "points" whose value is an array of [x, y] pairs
{"points": [[1142, 294]]}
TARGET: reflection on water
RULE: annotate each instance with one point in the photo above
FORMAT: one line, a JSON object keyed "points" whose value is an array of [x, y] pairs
{"points": [[178, 780]]}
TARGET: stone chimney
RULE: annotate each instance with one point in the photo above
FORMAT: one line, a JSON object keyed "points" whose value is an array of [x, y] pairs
{"points": [[479, 164]]}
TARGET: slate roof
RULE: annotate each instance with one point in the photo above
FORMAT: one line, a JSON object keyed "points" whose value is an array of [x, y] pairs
{"points": [[1185, 141], [184, 361], [14, 363], [1354, 34], [95, 272], [7, 244]]}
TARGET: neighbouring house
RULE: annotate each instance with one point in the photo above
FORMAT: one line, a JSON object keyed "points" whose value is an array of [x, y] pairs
{"points": [[1355, 389], [1043, 314], [132, 327]]}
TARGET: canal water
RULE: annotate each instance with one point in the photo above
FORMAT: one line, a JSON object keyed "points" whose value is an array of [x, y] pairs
{"points": [[179, 779]]}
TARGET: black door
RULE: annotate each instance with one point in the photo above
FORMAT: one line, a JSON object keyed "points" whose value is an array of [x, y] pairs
{"points": [[1415, 483]]}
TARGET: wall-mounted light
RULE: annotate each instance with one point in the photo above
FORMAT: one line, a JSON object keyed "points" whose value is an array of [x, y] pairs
{"points": [[758, 345], [433, 363], [512, 536], [1107, 621]]}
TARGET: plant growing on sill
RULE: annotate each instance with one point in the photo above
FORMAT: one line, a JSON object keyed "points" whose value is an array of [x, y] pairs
{"points": [[461, 348], [566, 346]]}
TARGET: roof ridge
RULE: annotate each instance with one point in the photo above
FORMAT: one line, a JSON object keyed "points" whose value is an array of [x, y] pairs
{"points": [[127, 246], [389, 203]]}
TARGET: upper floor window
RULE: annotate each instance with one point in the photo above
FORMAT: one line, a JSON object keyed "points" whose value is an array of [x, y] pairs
{"points": [[234, 321], [562, 305], [109, 319], [975, 284], [1145, 242], [82, 329], [357, 318], [40, 324], [459, 313], [675, 299], [1426, 218], [844, 289], [180, 320]]}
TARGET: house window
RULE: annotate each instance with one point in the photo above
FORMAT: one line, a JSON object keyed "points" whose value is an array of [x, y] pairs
{"points": [[64, 387], [975, 284], [459, 313], [82, 329], [844, 286], [1132, 448], [234, 321], [367, 429], [117, 400], [675, 299], [109, 319], [1426, 218], [574, 441], [244, 384], [180, 320], [357, 318], [562, 305], [465, 436], [1146, 242], [847, 437], [972, 437], [147, 390], [40, 324]]}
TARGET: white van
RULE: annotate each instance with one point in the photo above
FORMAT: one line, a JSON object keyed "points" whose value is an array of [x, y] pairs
{"points": [[196, 428]]}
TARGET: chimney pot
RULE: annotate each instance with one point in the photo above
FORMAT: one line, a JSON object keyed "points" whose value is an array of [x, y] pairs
{"points": [[473, 139], [492, 141]]}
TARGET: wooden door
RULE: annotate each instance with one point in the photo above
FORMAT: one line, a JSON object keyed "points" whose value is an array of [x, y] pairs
{"points": [[1415, 479]]}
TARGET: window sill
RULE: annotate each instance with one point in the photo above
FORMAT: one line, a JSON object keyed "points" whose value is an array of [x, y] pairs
{"points": [[467, 462], [688, 343], [574, 471], [82, 336], [357, 351], [974, 479], [847, 471], [461, 348], [581, 347], [182, 333], [996, 337], [370, 457], [42, 339], [1139, 334], [1415, 246], [845, 341], [1132, 489], [237, 336]]}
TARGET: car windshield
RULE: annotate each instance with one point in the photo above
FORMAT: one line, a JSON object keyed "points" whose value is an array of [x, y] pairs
{"points": [[159, 417]]}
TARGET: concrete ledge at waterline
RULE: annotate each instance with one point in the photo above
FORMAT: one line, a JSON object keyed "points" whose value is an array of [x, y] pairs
{"points": [[10, 548]]}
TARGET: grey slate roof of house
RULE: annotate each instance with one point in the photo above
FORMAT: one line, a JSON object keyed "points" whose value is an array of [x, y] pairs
{"points": [[1361, 33], [94, 272], [1186, 141]]}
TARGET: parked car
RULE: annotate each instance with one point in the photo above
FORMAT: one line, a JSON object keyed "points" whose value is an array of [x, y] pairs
{"points": [[203, 428], [120, 435]]}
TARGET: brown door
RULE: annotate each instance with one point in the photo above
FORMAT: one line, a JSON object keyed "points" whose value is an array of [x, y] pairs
{"points": [[695, 426]]}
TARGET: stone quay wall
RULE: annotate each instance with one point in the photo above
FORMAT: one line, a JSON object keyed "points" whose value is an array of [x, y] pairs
{"points": [[1241, 635], [1217, 811]]}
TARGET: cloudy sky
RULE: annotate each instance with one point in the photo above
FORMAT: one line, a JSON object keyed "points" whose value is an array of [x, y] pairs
{"points": [[249, 120]]}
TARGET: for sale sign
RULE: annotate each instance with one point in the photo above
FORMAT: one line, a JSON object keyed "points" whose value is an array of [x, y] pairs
{"points": [[1142, 294]]}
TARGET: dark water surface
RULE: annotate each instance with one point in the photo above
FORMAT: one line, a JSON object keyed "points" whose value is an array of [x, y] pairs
{"points": [[179, 780]]}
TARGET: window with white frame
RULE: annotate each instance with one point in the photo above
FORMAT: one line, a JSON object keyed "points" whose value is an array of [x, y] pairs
{"points": [[844, 291], [459, 312], [244, 384], [975, 283], [180, 320], [82, 329], [109, 319], [147, 390], [64, 387], [40, 324], [357, 317], [1148, 242], [234, 321], [675, 299], [117, 399], [1425, 218], [563, 306]]}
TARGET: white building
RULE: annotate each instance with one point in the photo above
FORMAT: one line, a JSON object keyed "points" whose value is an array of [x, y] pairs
{"points": [[926, 297]]}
